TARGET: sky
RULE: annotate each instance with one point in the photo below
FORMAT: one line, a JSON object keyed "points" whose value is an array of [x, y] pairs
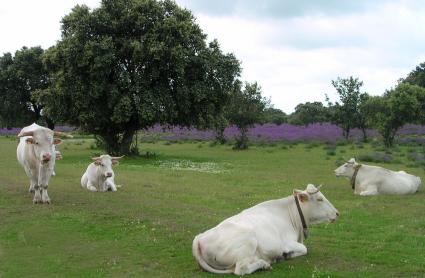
{"points": [[293, 49]]}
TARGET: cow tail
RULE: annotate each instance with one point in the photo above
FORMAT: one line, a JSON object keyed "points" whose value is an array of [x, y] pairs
{"points": [[196, 250]]}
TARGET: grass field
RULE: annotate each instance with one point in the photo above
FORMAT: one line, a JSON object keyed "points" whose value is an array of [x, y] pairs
{"points": [[147, 227]]}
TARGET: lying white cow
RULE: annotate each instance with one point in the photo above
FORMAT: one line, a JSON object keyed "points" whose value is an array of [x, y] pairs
{"points": [[99, 175], [262, 234], [36, 153], [373, 180]]}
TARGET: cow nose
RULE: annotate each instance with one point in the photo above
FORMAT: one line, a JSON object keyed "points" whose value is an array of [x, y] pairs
{"points": [[46, 157], [109, 174], [337, 213]]}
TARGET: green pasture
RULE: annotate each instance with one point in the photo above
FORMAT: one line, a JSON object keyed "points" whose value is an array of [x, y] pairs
{"points": [[181, 189]]}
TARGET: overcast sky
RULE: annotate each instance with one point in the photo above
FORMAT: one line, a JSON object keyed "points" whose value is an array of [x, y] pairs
{"points": [[293, 49]]}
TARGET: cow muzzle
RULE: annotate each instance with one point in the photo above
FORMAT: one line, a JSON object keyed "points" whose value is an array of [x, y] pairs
{"points": [[46, 157], [332, 220], [108, 174]]}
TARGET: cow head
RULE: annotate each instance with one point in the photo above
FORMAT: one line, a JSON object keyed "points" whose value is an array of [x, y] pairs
{"points": [[104, 164], [315, 205], [347, 169], [43, 143]]}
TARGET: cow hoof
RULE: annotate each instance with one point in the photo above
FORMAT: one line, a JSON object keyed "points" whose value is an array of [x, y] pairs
{"points": [[46, 201], [287, 255]]}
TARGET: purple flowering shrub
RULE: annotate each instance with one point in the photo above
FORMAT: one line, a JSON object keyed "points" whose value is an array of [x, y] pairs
{"points": [[259, 133], [266, 133]]}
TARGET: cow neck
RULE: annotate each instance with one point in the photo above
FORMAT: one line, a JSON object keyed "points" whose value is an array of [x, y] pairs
{"points": [[353, 178], [300, 212]]}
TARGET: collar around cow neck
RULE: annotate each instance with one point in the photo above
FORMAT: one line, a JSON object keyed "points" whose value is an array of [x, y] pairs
{"points": [[353, 178], [300, 212]]}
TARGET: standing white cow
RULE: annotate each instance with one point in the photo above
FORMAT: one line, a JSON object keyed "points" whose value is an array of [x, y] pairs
{"points": [[36, 153], [99, 175], [373, 180], [263, 234]]}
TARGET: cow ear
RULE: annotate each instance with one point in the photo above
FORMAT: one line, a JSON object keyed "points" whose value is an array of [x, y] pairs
{"points": [[97, 162], [302, 196], [115, 162], [30, 140], [57, 141]]}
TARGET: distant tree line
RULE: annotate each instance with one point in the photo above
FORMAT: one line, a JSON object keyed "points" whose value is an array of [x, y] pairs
{"points": [[130, 64]]}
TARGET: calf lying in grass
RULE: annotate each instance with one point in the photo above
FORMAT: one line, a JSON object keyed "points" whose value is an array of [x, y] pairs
{"points": [[99, 175]]}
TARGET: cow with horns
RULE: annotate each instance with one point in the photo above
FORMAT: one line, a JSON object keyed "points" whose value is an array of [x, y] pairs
{"points": [[36, 152], [99, 175], [263, 234], [369, 180]]}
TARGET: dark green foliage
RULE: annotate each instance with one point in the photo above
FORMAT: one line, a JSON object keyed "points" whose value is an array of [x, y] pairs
{"points": [[309, 113], [397, 107], [132, 63], [21, 76], [347, 114], [417, 76], [274, 115], [244, 109], [376, 157]]}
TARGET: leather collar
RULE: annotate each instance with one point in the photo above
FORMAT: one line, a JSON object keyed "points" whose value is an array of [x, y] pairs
{"points": [[300, 212]]}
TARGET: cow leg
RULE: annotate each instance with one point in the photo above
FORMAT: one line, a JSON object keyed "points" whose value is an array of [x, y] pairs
{"points": [[44, 196], [110, 185], [371, 190], [31, 189], [90, 186], [37, 194], [250, 265], [294, 249], [33, 180]]}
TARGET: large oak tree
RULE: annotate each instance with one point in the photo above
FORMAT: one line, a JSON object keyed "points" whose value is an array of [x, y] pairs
{"points": [[132, 63]]}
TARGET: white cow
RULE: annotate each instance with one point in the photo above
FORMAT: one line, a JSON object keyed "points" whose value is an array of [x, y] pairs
{"points": [[36, 153], [373, 180], [263, 234], [99, 175]]}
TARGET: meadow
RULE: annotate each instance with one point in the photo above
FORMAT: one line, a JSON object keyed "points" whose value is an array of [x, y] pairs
{"points": [[176, 190]]}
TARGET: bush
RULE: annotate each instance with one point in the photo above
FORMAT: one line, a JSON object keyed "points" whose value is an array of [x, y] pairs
{"points": [[376, 157]]}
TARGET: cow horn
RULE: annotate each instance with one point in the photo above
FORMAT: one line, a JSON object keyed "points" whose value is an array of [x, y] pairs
{"points": [[117, 157], [25, 133], [95, 158], [62, 134], [320, 186]]}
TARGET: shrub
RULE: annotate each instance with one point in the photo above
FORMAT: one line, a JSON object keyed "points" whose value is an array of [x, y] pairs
{"points": [[376, 157]]}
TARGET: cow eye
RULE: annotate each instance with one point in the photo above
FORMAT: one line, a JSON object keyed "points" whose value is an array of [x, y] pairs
{"points": [[320, 199]]}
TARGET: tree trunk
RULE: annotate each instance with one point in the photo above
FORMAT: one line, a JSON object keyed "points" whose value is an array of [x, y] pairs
{"points": [[118, 144], [242, 141], [50, 123], [364, 134], [347, 133], [219, 135], [127, 139]]}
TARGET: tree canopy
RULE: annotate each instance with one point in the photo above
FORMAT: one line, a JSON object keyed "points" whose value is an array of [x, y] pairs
{"points": [[130, 64], [346, 113], [308, 113], [21, 76], [245, 108], [397, 107]]}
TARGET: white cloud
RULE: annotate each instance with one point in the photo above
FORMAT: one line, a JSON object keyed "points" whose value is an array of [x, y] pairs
{"points": [[294, 59], [34, 23], [292, 50]]}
